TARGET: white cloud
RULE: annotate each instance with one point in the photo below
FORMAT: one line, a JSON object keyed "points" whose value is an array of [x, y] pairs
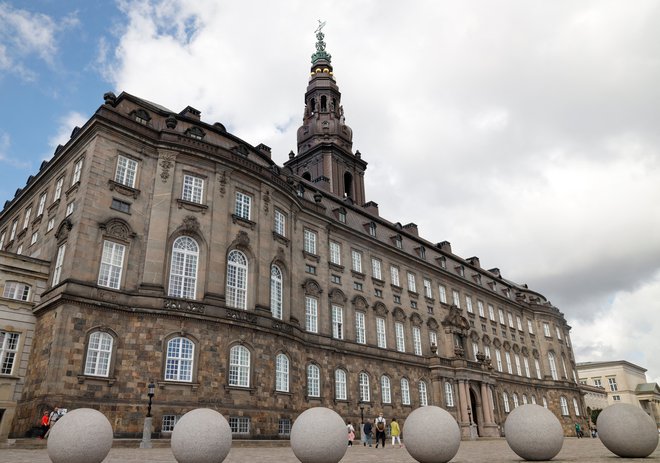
{"points": [[66, 124], [524, 133]]}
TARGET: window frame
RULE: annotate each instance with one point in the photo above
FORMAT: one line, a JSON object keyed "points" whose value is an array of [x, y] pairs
{"points": [[240, 366], [192, 189], [237, 286], [113, 270], [130, 171], [179, 367]]}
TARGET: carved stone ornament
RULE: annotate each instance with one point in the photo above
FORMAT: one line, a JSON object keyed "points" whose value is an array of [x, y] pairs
{"points": [[360, 303], [432, 323], [166, 163], [191, 224], [266, 201], [242, 240], [486, 340], [474, 336], [63, 230], [416, 320], [398, 314], [118, 229], [280, 255], [380, 309], [222, 180], [496, 343], [337, 296], [455, 319], [311, 288]]}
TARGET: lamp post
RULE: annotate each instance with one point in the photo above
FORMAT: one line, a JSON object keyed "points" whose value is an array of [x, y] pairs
{"points": [[361, 412], [469, 415], [146, 430]]}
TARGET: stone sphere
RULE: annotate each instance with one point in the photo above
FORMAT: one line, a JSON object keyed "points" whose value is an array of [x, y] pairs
{"points": [[534, 432], [82, 435], [201, 436], [319, 435], [627, 431], [432, 435]]}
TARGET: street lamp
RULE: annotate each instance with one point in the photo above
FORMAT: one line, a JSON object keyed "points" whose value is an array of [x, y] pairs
{"points": [[361, 412], [469, 415], [150, 393]]}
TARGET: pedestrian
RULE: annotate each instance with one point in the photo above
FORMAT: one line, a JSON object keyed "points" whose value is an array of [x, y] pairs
{"points": [[351, 433], [52, 419], [395, 431], [578, 430], [367, 432], [380, 430], [44, 424]]}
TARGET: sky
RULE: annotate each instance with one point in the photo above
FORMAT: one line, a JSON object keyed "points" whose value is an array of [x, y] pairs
{"points": [[524, 132]]}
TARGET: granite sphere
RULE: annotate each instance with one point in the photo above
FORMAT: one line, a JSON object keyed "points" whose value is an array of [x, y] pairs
{"points": [[432, 435], [201, 436], [83, 435], [534, 432], [319, 436], [627, 431]]}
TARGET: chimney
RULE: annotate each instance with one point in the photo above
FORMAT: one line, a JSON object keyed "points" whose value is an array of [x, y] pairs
{"points": [[444, 246], [372, 208], [411, 228], [474, 261], [191, 112]]}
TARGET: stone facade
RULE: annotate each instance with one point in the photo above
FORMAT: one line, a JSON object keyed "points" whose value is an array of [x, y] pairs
{"points": [[184, 255]]}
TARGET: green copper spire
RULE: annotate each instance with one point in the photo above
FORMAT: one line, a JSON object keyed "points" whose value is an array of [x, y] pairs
{"points": [[320, 54]]}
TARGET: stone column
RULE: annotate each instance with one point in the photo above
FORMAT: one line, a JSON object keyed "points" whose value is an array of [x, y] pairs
{"points": [[146, 434], [462, 401], [485, 400]]}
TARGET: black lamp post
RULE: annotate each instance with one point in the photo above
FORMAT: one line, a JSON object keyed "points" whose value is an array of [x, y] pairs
{"points": [[361, 412], [150, 393], [469, 415]]}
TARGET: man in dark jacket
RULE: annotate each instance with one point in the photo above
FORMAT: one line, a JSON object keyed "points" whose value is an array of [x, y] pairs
{"points": [[367, 432]]}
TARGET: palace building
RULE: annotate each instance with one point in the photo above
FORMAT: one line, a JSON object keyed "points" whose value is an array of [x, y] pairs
{"points": [[183, 255]]}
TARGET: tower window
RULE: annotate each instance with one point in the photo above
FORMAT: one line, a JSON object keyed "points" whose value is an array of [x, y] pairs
{"points": [[348, 185], [324, 103]]}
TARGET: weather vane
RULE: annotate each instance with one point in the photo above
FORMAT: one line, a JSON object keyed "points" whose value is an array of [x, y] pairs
{"points": [[321, 26]]}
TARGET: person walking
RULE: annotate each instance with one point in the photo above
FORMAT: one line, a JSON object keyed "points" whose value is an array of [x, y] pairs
{"points": [[52, 419], [381, 425], [367, 433], [44, 424], [578, 430], [351, 433], [395, 431]]}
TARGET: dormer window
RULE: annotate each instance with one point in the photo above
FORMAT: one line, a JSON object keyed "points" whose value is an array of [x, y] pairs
{"points": [[442, 261], [340, 214], [371, 227], [196, 133], [141, 116], [460, 270], [421, 251], [398, 241]]}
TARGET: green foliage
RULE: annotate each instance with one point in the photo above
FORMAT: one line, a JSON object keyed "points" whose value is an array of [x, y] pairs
{"points": [[594, 414]]}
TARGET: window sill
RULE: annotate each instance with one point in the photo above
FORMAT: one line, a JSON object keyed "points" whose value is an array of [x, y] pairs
{"points": [[413, 294], [281, 239], [94, 379], [377, 281], [123, 189], [53, 206], [243, 222], [312, 257], [72, 189], [357, 275], [163, 384], [336, 267], [194, 207], [251, 390]]}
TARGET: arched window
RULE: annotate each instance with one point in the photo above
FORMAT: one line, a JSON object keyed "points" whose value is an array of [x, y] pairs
{"points": [[365, 396], [179, 361], [564, 406], [563, 366], [239, 366], [237, 269], [313, 381], [545, 402], [449, 394], [576, 407], [553, 365], [405, 391], [282, 373], [423, 397], [183, 268], [99, 354], [340, 384], [505, 401], [276, 291], [515, 400], [348, 185], [524, 399], [534, 399], [386, 390]]}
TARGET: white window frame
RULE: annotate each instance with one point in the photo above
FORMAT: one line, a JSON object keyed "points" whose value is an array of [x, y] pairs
{"points": [[449, 394], [340, 385], [237, 280], [576, 407], [360, 328], [526, 364], [546, 329], [180, 354], [468, 304], [491, 312], [400, 337], [8, 351], [335, 253], [480, 308], [500, 312], [498, 360], [310, 239], [412, 283], [183, 268], [516, 358], [505, 401], [553, 366], [276, 291], [381, 335], [356, 260], [112, 264], [417, 340], [428, 289], [239, 366], [394, 274], [537, 366], [530, 326], [77, 172], [243, 205], [563, 403], [26, 217], [456, 298], [475, 349], [99, 354], [280, 222], [364, 391], [311, 314], [433, 338], [282, 373], [337, 322], [193, 189], [509, 367], [377, 268], [423, 394], [58, 188], [17, 291], [405, 391], [516, 403], [59, 262], [519, 323], [42, 203], [126, 171], [443, 293], [386, 389]]}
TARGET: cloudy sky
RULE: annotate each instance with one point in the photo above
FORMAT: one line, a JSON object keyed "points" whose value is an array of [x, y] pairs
{"points": [[523, 132]]}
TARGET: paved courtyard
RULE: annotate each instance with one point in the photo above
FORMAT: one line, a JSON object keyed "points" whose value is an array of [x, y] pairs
{"points": [[492, 451]]}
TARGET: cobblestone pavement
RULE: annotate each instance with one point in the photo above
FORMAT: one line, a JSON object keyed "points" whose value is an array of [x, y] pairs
{"points": [[492, 451]]}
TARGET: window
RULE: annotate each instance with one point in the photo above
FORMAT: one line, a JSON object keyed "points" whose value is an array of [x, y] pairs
{"points": [[26, 219], [456, 298], [42, 204], [77, 170], [501, 314], [576, 407], [480, 308], [179, 360], [193, 187], [58, 189], [598, 382], [487, 352], [365, 395], [397, 299], [310, 241], [112, 263], [491, 312], [282, 373], [376, 268], [553, 366], [423, 396], [516, 403], [243, 203], [311, 314], [19, 249], [183, 268], [310, 269], [357, 286], [405, 392], [237, 271], [498, 359], [276, 291], [336, 279], [378, 292], [59, 262], [394, 272], [449, 394], [616, 398], [35, 237], [14, 225], [537, 365], [563, 367], [475, 349], [534, 399], [8, 350], [2, 240], [613, 385], [121, 206], [360, 328], [412, 286], [417, 340], [526, 363], [505, 401], [516, 357], [510, 317], [398, 242], [468, 304], [239, 366], [558, 331], [546, 329], [524, 399], [356, 259], [413, 304], [169, 421], [51, 225], [372, 229], [433, 338], [509, 368], [126, 171], [335, 253], [564, 406], [380, 333], [239, 424], [519, 323], [280, 223], [69, 208], [443, 294], [428, 291], [99, 352], [386, 390], [16, 290], [340, 385], [545, 402], [530, 327], [400, 339], [337, 322]]}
